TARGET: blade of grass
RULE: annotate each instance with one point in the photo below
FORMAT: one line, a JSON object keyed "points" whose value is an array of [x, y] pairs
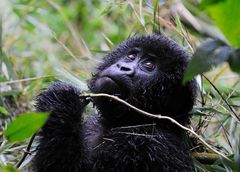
{"points": [[154, 15], [138, 17], [76, 36], [0, 35]]}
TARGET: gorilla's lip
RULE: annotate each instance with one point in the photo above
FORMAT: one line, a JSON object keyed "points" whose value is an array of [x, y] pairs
{"points": [[120, 83], [111, 78]]}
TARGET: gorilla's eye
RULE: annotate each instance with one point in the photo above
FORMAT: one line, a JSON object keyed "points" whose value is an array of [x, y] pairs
{"points": [[149, 65], [132, 56]]}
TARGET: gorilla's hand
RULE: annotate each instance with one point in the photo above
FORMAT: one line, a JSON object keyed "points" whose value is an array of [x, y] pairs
{"points": [[60, 97], [63, 102]]}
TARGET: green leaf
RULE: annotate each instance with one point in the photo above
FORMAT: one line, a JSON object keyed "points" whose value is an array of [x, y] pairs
{"points": [[227, 17], [25, 125], [206, 3], [203, 109], [7, 168], [4, 112], [234, 60], [10, 93], [209, 54], [106, 10]]}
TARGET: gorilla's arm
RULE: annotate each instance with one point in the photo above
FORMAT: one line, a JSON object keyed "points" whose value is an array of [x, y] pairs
{"points": [[60, 147]]}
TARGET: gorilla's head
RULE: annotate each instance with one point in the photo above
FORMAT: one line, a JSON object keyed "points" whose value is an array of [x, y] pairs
{"points": [[147, 72]]}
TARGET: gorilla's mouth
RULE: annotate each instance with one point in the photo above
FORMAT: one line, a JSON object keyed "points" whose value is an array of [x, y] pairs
{"points": [[108, 85], [109, 79]]}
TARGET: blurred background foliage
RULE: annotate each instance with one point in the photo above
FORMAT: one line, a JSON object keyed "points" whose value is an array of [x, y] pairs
{"points": [[46, 40]]}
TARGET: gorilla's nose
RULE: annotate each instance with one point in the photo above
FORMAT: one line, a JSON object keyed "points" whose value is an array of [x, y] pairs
{"points": [[126, 68]]}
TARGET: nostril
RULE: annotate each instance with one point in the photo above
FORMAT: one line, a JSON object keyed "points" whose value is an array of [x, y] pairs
{"points": [[123, 68]]}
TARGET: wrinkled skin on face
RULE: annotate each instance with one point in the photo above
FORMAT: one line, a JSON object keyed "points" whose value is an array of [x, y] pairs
{"points": [[147, 72]]}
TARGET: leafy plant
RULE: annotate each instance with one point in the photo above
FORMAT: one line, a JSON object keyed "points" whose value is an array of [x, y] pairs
{"points": [[24, 126], [225, 13]]}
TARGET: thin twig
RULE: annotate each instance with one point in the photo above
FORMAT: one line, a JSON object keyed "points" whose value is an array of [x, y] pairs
{"points": [[137, 126], [136, 134], [26, 152], [158, 116], [67, 50], [235, 116], [25, 79]]}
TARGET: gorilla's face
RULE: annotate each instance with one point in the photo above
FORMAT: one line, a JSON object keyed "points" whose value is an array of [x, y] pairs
{"points": [[135, 69], [147, 72]]}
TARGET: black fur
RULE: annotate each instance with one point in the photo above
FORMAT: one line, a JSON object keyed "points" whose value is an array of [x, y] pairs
{"points": [[118, 139]]}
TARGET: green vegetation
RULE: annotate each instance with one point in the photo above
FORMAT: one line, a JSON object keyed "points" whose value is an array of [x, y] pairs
{"points": [[46, 40]]}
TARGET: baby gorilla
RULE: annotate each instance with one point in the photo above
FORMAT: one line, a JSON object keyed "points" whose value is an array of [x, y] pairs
{"points": [[145, 71]]}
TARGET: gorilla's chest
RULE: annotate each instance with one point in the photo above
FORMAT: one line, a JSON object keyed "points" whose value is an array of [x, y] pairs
{"points": [[130, 150]]}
